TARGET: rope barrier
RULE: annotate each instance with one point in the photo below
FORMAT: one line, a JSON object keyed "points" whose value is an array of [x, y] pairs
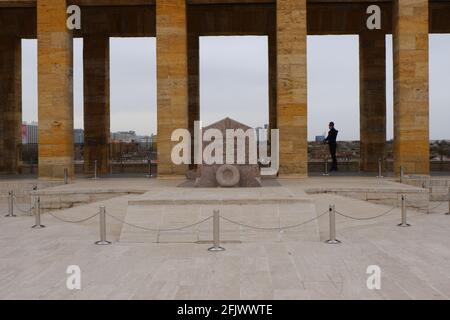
{"points": [[425, 208], [366, 218], [159, 230], [20, 209], [73, 221], [274, 228], [437, 206], [216, 221]]}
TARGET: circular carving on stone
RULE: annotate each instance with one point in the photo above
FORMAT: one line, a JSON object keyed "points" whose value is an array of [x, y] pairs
{"points": [[227, 176]]}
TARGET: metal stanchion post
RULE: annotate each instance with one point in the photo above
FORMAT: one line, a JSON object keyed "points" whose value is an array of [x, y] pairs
{"points": [[216, 232], [66, 176], [10, 204], [401, 174], [379, 169], [103, 240], [448, 212], [37, 215], [326, 173], [404, 223], [332, 240], [95, 170], [151, 169], [33, 206], [149, 175]]}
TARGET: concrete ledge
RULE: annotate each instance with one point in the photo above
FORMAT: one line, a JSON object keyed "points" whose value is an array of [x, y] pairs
{"points": [[86, 191], [180, 202], [61, 199], [438, 187], [174, 216], [415, 197]]}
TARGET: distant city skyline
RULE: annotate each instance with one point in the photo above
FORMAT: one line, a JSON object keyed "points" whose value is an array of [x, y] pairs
{"points": [[30, 135], [234, 83]]}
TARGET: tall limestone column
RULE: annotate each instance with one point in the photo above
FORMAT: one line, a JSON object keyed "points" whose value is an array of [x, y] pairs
{"points": [[172, 76], [55, 90], [372, 70], [292, 90], [194, 84], [411, 99], [10, 104], [96, 103], [272, 41]]}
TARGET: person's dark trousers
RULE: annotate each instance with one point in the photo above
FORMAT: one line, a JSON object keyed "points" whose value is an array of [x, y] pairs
{"points": [[333, 147]]}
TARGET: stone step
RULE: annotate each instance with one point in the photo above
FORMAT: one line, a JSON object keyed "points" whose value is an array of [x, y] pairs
{"points": [[257, 215]]}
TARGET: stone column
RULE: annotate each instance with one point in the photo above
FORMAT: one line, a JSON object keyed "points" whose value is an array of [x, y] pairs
{"points": [[10, 104], [272, 82], [96, 103], [55, 90], [172, 75], [372, 72], [194, 84], [292, 91], [411, 100]]}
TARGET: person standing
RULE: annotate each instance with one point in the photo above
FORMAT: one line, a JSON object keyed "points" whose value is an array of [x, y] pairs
{"points": [[331, 139]]}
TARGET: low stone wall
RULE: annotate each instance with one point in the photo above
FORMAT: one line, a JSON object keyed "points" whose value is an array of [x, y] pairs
{"points": [[22, 190], [438, 187], [415, 198], [313, 166], [51, 200], [116, 168], [388, 166]]}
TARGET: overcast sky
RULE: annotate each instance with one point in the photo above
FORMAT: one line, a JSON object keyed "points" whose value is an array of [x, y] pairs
{"points": [[234, 78]]}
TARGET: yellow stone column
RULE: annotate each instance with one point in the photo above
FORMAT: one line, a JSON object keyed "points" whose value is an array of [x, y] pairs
{"points": [[10, 104], [372, 71], [272, 42], [172, 76], [55, 90], [292, 87], [194, 85], [411, 99], [96, 103]]}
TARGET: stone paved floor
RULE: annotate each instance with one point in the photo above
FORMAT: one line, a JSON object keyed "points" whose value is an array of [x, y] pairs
{"points": [[414, 262]]}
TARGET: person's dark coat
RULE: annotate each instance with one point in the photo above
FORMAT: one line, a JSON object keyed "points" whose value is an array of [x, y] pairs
{"points": [[331, 139], [332, 136]]}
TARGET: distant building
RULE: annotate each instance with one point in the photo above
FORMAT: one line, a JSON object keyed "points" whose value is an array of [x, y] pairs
{"points": [[124, 136], [30, 133], [148, 140], [78, 136], [131, 137], [320, 138]]}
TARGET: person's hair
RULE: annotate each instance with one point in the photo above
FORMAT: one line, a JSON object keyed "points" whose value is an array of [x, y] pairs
{"points": [[331, 124]]}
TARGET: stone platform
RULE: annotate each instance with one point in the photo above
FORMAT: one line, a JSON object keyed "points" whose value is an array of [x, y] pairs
{"points": [[438, 187], [289, 203], [260, 207], [257, 264]]}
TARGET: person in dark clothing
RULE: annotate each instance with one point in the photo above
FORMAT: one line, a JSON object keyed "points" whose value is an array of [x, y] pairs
{"points": [[331, 139]]}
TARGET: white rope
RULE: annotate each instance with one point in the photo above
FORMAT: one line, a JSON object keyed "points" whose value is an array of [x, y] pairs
{"points": [[159, 230], [273, 228], [366, 218], [73, 221]]}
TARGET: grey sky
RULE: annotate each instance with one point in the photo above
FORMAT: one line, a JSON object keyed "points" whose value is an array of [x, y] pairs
{"points": [[234, 77]]}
